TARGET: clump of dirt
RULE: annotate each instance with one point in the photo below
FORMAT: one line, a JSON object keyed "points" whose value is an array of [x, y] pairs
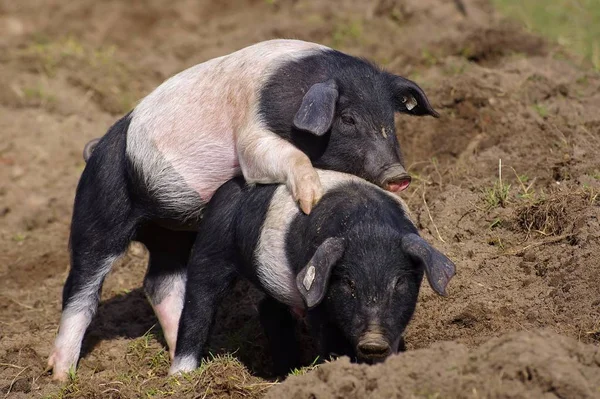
{"points": [[518, 365], [552, 215]]}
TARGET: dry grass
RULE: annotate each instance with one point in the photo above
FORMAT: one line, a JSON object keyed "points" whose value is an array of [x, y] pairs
{"points": [[548, 216], [554, 214]]}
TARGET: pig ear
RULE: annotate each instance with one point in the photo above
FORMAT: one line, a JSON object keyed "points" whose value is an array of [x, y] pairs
{"points": [[409, 98], [317, 109], [438, 268], [89, 148], [313, 279]]}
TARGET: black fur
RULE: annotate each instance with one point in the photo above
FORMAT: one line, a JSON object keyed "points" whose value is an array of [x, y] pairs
{"points": [[374, 283], [367, 100], [102, 224]]}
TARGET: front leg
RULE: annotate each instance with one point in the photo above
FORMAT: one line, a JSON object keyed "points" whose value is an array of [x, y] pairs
{"points": [[267, 158], [280, 329], [209, 279], [210, 273]]}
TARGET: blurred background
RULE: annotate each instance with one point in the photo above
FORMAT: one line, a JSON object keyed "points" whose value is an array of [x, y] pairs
{"points": [[572, 23], [515, 81]]}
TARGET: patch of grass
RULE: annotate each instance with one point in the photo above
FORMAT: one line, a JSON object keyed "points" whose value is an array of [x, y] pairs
{"points": [[306, 369], [572, 23], [219, 376], [526, 191], [346, 33], [496, 223], [429, 59], [68, 390], [38, 95], [541, 110], [497, 195], [144, 350], [19, 237]]}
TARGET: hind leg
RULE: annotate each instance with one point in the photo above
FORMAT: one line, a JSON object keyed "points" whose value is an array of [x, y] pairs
{"points": [[98, 239], [164, 283]]}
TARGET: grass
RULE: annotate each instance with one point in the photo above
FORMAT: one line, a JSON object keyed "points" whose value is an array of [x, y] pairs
{"points": [[572, 23], [541, 110], [346, 33], [306, 369], [497, 195], [39, 95]]}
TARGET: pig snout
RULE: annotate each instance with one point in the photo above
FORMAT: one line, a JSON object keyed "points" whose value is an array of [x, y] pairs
{"points": [[394, 178], [373, 348]]}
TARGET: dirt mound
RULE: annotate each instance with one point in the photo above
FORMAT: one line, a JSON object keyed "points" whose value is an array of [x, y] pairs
{"points": [[518, 365]]}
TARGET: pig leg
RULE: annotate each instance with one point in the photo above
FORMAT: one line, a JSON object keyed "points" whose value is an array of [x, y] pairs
{"points": [[209, 279], [101, 230], [266, 158], [280, 328], [164, 283], [212, 268]]}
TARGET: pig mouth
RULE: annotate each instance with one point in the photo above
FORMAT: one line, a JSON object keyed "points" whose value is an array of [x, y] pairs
{"points": [[397, 184], [395, 179]]}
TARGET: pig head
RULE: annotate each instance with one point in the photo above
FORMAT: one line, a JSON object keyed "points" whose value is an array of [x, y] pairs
{"points": [[361, 290]]}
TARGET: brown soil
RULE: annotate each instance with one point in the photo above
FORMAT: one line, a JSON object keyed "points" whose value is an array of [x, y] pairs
{"points": [[526, 246], [515, 365]]}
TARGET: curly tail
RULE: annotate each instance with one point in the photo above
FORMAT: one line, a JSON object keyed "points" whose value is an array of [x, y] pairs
{"points": [[89, 148]]}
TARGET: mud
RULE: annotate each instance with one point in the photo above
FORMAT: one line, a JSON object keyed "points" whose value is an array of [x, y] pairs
{"points": [[525, 241]]}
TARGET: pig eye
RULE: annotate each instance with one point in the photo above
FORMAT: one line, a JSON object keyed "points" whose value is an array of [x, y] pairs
{"points": [[348, 120], [400, 284]]}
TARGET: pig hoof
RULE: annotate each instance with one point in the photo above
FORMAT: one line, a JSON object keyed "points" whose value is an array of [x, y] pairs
{"points": [[183, 364], [60, 370], [308, 191]]}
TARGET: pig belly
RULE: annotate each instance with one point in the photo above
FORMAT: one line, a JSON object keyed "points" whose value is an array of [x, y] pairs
{"points": [[183, 171], [204, 165]]}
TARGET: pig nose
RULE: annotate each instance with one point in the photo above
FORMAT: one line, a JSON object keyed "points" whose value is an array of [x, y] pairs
{"points": [[374, 350], [395, 178]]}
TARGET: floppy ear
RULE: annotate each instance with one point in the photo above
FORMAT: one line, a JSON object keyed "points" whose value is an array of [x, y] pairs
{"points": [[313, 279], [438, 268], [409, 98], [317, 109]]}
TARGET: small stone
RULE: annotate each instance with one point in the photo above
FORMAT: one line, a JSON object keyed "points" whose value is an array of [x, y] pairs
{"points": [[529, 256]]}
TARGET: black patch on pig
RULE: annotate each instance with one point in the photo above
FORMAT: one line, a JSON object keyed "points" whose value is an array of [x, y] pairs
{"points": [[361, 139]]}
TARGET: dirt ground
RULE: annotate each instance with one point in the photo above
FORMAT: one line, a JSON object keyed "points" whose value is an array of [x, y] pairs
{"points": [[523, 316]]}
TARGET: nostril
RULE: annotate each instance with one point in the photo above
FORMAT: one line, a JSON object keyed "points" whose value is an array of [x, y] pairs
{"points": [[374, 349]]}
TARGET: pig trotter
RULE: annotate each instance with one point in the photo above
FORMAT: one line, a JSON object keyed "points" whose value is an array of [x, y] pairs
{"points": [[306, 189]]}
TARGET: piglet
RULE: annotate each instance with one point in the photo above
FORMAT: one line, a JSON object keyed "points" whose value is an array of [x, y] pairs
{"points": [[355, 265]]}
